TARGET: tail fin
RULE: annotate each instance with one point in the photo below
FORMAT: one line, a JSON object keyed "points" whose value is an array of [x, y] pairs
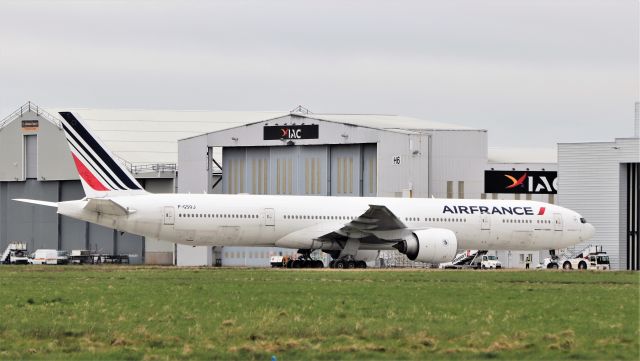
{"points": [[101, 175]]}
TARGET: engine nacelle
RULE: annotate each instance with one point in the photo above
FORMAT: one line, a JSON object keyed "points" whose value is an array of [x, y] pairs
{"points": [[435, 245]]}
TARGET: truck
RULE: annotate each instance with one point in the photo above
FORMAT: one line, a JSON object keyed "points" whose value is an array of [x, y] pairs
{"points": [[591, 257], [44, 256], [15, 253]]}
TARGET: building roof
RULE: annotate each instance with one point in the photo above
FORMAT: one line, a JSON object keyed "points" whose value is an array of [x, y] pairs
{"points": [[151, 136], [390, 122], [143, 136], [522, 155]]}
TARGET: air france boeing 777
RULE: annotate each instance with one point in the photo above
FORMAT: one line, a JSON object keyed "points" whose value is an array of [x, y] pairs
{"points": [[427, 230]]}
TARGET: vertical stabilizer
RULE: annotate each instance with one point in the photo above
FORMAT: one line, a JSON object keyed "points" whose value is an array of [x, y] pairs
{"points": [[100, 173]]}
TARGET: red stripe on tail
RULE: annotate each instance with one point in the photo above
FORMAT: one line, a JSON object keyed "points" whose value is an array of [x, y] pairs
{"points": [[88, 177]]}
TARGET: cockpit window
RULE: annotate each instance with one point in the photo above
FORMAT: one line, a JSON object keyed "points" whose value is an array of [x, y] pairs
{"points": [[582, 220]]}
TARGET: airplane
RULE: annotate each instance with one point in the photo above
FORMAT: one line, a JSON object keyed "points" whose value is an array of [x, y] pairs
{"points": [[350, 229]]}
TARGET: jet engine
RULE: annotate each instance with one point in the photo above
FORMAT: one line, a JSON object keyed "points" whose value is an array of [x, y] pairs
{"points": [[435, 245]]}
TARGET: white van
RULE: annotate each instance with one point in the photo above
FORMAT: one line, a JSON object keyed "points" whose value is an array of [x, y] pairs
{"points": [[44, 256]]}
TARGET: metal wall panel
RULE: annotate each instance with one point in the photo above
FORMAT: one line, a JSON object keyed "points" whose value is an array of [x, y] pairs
{"points": [[35, 225], [257, 170], [312, 170], [346, 171], [234, 179], [284, 170], [131, 245], [369, 170], [101, 239], [590, 182]]}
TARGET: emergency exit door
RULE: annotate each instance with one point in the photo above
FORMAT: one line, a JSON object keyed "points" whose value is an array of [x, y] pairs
{"points": [[269, 217], [169, 216]]}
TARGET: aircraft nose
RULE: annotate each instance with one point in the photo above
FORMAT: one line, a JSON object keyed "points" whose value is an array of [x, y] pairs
{"points": [[588, 231]]}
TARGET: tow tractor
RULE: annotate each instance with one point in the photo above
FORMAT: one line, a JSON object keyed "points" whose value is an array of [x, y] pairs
{"points": [[591, 257]]}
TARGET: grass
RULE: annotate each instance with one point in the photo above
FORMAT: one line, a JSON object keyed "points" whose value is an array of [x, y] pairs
{"points": [[157, 313]]}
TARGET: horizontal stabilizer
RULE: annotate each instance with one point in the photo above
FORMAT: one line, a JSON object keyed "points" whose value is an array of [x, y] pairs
{"points": [[40, 203], [107, 206]]}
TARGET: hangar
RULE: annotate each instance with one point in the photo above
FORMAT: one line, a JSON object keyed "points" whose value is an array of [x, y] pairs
{"points": [[304, 153]]}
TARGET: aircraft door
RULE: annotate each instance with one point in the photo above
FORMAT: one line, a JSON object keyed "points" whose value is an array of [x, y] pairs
{"points": [[485, 222], [557, 222], [169, 216], [269, 217]]}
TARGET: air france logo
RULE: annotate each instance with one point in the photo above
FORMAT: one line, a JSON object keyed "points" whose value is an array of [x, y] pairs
{"points": [[289, 133], [518, 211]]}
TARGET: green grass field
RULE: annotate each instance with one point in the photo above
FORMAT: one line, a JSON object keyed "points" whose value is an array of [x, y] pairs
{"points": [[149, 313]]}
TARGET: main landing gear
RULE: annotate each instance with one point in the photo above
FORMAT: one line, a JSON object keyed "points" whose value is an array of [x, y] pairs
{"points": [[304, 261], [345, 258], [347, 262]]}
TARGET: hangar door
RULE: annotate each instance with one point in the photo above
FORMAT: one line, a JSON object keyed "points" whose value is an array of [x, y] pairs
{"points": [[31, 156], [354, 170]]}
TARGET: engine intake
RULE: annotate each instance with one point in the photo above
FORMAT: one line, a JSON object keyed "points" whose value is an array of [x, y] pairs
{"points": [[435, 245]]}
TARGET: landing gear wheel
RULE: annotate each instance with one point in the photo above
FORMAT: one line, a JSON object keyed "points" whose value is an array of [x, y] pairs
{"points": [[361, 264], [552, 266], [339, 264], [566, 265], [582, 265], [351, 264], [332, 263], [289, 263], [318, 264], [296, 264]]}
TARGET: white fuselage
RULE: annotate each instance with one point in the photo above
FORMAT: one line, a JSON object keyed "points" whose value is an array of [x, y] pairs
{"points": [[259, 220]]}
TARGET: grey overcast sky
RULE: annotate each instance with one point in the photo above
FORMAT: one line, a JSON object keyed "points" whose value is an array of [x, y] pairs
{"points": [[532, 72]]}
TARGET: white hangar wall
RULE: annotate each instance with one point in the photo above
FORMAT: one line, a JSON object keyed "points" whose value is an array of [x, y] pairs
{"points": [[600, 181]]}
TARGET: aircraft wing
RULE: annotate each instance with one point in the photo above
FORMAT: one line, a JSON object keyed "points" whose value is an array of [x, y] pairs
{"points": [[377, 225], [107, 206]]}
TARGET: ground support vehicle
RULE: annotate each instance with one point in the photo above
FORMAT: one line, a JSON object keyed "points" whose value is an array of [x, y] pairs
{"points": [[15, 253], [591, 257], [44, 256], [80, 256]]}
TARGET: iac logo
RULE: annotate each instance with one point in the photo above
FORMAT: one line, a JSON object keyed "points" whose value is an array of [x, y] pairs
{"points": [[538, 182], [290, 133], [533, 184]]}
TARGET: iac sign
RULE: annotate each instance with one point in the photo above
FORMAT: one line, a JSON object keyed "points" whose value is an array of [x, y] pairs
{"points": [[290, 133], [541, 184]]}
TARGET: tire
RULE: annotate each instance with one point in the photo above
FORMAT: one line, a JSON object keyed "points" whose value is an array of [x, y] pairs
{"points": [[552, 265], [318, 264], [351, 264], [566, 265], [289, 263], [361, 264], [582, 265], [339, 264]]}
